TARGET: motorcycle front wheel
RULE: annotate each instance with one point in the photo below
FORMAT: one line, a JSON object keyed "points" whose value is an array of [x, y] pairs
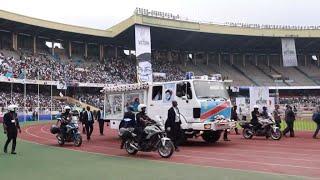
{"points": [[129, 148], [247, 133], [166, 150], [60, 139], [77, 140], [275, 134]]}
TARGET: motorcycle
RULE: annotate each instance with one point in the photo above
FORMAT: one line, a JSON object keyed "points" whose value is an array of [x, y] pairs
{"points": [[268, 129], [72, 133], [155, 140]]}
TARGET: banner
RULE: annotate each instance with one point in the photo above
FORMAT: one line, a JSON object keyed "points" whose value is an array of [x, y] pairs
{"points": [[259, 96], [143, 53], [157, 74], [289, 54], [169, 92], [242, 106], [271, 104], [62, 85]]}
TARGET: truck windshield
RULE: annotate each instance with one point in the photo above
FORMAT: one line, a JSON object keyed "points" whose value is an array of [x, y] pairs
{"points": [[210, 89]]}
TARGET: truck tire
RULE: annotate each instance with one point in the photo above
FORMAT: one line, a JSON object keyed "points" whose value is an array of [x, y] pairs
{"points": [[211, 136]]}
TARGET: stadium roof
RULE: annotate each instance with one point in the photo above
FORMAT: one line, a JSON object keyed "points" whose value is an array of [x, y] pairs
{"points": [[169, 34]]}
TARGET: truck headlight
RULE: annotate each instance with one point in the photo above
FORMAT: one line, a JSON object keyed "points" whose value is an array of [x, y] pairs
{"points": [[207, 126]]}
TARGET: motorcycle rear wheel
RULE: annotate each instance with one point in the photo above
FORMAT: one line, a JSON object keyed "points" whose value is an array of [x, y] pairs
{"points": [[130, 150], [247, 133], [166, 150]]}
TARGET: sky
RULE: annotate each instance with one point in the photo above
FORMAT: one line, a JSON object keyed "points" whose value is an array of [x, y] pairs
{"points": [[102, 14]]}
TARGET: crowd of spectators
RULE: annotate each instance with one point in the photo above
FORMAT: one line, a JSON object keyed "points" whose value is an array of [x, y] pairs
{"points": [[172, 71], [95, 100], [301, 101], [31, 101], [45, 67]]}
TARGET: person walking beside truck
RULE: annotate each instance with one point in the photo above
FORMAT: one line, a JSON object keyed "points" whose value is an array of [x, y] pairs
{"points": [[11, 128], [100, 121], [88, 120], [82, 120], [234, 117], [289, 118], [173, 123], [316, 119], [277, 116]]}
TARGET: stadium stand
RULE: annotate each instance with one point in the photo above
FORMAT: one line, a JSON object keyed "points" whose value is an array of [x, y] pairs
{"points": [[293, 74], [249, 55]]}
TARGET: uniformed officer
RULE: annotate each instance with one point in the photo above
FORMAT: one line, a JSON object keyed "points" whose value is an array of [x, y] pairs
{"points": [[11, 128]]}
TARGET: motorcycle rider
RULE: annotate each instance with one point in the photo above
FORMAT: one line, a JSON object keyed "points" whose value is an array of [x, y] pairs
{"points": [[255, 114], [142, 121], [129, 119], [264, 113], [66, 118]]}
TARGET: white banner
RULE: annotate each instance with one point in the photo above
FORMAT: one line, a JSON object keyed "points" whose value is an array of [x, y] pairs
{"points": [[157, 74], [62, 85], [259, 96], [289, 54], [143, 53], [271, 104], [242, 106]]}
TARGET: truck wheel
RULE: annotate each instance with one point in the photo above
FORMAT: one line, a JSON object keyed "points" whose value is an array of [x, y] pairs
{"points": [[211, 136]]}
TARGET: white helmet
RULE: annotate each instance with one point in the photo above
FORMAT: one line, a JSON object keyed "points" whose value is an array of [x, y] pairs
{"points": [[255, 107], [67, 107], [12, 107], [141, 106]]}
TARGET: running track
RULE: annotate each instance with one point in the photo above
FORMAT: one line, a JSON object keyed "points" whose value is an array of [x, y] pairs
{"points": [[298, 156]]}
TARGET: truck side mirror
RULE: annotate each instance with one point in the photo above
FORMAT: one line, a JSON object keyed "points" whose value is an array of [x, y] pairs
{"points": [[184, 97]]}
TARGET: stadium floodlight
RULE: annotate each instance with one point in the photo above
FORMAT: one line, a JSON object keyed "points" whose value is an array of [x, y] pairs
{"points": [[314, 57]]}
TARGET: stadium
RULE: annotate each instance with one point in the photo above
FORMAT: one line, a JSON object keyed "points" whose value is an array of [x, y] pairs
{"points": [[47, 65]]}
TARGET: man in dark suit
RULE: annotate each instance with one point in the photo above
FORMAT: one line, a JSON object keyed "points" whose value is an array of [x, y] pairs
{"points": [[82, 120], [234, 116], [316, 119], [88, 119], [173, 124], [11, 128], [289, 118], [100, 121]]}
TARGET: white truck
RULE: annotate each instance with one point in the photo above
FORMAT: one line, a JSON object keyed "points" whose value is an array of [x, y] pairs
{"points": [[204, 104]]}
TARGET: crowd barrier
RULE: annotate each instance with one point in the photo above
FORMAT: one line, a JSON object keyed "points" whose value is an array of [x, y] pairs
{"points": [[42, 117]]}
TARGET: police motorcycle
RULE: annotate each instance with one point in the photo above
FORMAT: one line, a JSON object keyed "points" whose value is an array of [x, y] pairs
{"points": [[267, 128], [155, 140], [72, 133]]}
